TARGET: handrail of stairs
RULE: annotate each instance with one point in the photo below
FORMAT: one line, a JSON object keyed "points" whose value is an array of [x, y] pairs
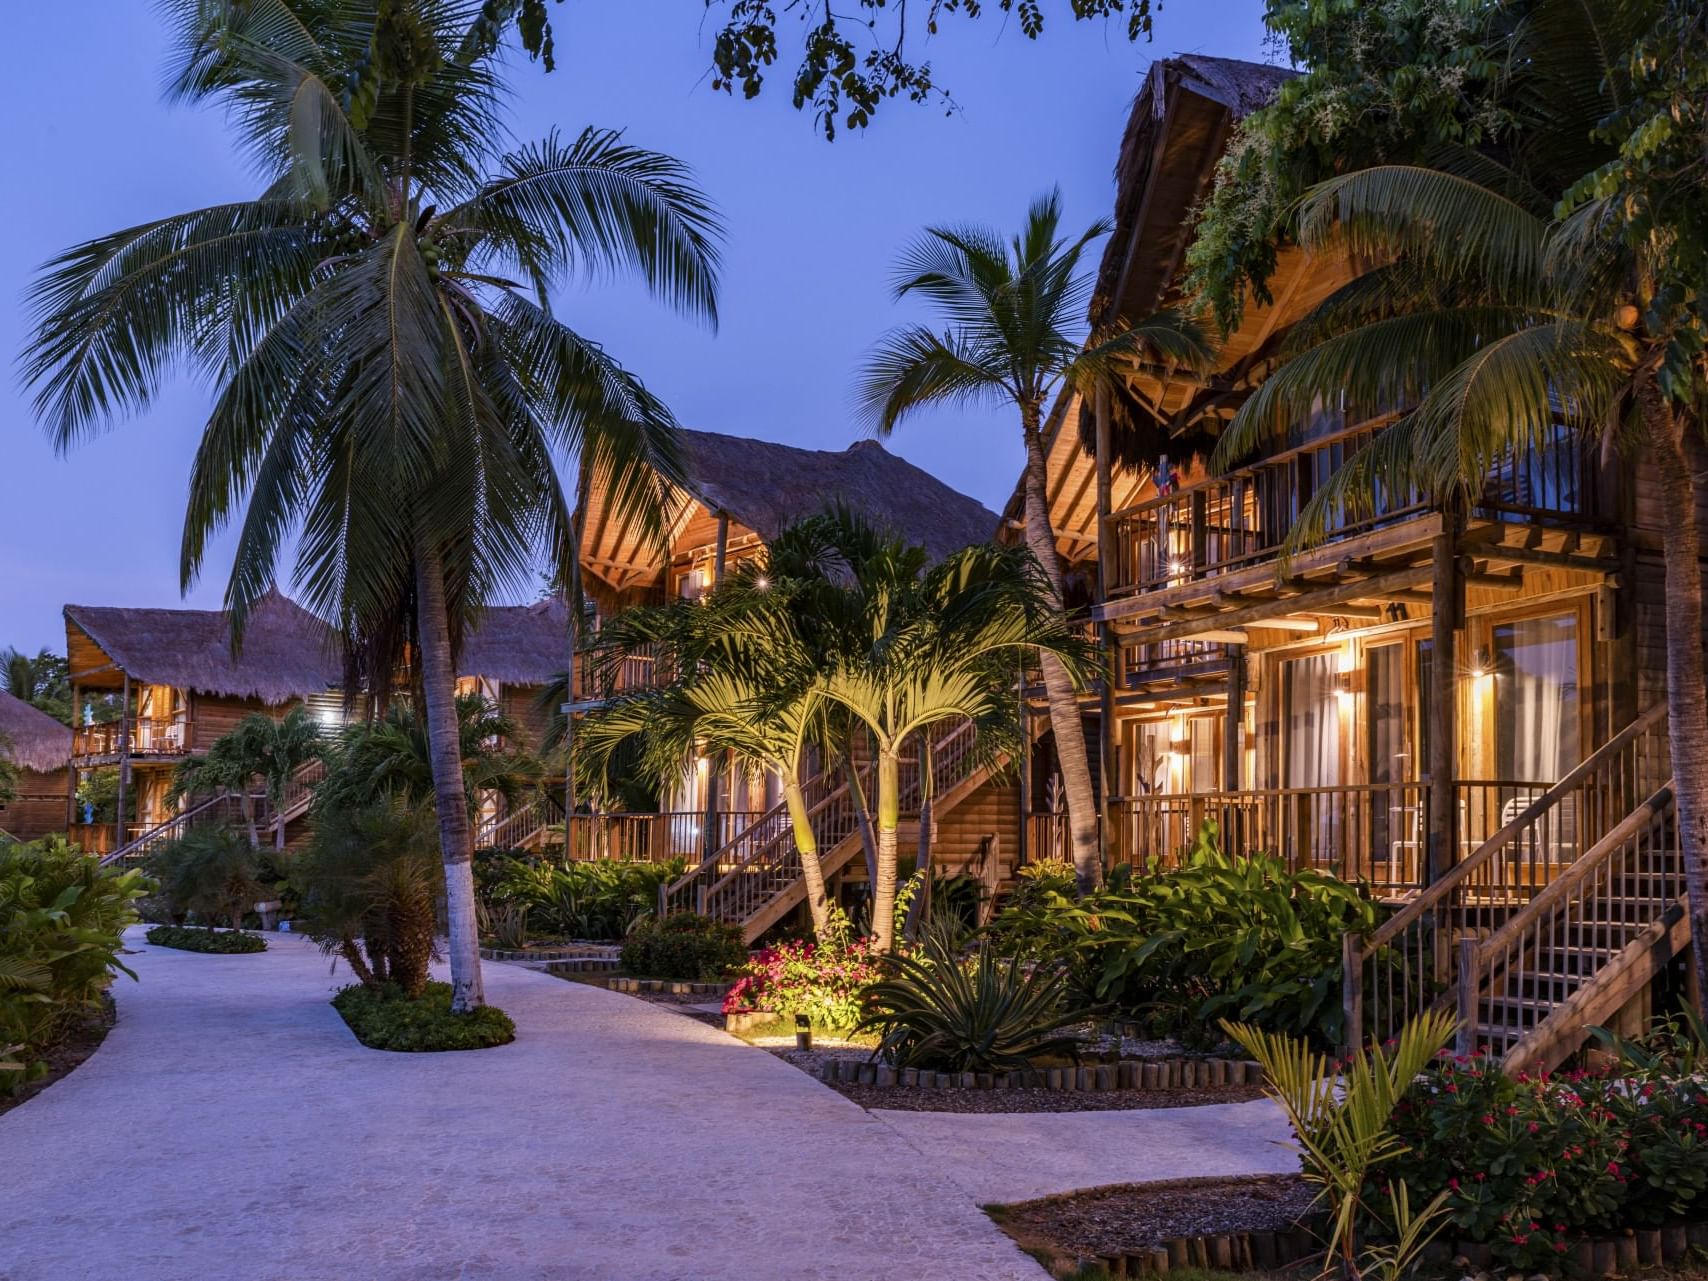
{"points": [[1407, 963], [1555, 945], [758, 869], [170, 829], [516, 829]]}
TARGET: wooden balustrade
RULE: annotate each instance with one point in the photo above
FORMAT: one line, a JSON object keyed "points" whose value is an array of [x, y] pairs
{"points": [[1242, 518], [148, 737], [602, 673]]}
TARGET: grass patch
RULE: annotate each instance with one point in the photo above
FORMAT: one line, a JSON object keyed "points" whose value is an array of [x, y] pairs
{"points": [[386, 1019], [186, 939]]}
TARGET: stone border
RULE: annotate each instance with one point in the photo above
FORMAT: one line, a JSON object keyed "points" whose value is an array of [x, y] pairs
{"points": [[1128, 1074], [1607, 1256], [583, 965], [667, 987], [571, 953]]}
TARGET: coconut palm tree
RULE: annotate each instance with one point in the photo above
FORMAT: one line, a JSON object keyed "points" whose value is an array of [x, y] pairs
{"points": [[1014, 336], [1505, 304], [393, 387], [259, 747]]}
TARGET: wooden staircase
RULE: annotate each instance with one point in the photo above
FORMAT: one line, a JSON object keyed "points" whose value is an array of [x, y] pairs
{"points": [[524, 828], [1579, 951], [755, 879], [1550, 926]]}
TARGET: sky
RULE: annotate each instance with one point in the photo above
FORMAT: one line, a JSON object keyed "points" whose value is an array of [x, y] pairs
{"points": [[813, 232]]}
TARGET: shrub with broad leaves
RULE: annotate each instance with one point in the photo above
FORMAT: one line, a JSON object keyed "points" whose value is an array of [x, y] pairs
{"points": [[823, 981]]}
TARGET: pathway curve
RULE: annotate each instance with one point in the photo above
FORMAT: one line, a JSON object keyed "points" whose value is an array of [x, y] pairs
{"points": [[231, 1129]]}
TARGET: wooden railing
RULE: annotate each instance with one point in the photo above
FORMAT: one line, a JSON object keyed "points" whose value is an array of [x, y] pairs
{"points": [[601, 673], [227, 807], [1242, 518], [148, 737], [742, 876], [298, 793], [649, 838], [1511, 981], [1179, 656], [1410, 961]]}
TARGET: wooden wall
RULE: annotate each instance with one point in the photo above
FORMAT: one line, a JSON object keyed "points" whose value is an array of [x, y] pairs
{"points": [[39, 808]]}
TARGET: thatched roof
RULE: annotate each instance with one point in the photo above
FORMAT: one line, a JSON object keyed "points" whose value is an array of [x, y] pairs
{"points": [[765, 486], [287, 652], [30, 738], [518, 644]]}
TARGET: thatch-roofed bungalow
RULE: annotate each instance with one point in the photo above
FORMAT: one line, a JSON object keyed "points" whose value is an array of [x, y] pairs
{"points": [[177, 685], [39, 748]]}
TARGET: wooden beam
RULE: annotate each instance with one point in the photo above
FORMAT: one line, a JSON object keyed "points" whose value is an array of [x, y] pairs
{"points": [[1226, 636], [1285, 622], [1547, 560], [1259, 615], [1231, 754], [1445, 570]]}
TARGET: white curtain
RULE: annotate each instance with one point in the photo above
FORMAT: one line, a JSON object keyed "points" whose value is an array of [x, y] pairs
{"points": [[1311, 756], [1536, 705]]}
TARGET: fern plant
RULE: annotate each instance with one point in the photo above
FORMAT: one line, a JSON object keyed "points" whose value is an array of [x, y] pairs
{"points": [[934, 1010], [1343, 1123]]}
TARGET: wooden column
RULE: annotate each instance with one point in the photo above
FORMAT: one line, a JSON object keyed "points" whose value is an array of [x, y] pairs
{"points": [[71, 764], [715, 767], [1107, 773], [1446, 590], [124, 764], [1020, 852], [1233, 720]]}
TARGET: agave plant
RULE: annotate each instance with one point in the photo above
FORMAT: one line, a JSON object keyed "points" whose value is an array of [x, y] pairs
{"points": [[933, 1009]]}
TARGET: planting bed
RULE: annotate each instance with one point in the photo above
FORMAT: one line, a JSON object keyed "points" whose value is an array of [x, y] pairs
{"points": [[78, 1044], [1245, 1223]]}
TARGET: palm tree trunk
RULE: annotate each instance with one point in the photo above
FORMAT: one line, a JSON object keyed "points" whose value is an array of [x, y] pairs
{"points": [[806, 842], [919, 910], [1686, 688], [450, 798], [863, 817], [1059, 693], [889, 819]]}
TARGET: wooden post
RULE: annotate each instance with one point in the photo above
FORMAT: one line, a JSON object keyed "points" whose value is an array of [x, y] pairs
{"points": [[715, 765], [124, 765], [1108, 782], [1467, 1035], [1233, 720], [1352, 991], [71, 765], [1445, 587], [1021, 851]]}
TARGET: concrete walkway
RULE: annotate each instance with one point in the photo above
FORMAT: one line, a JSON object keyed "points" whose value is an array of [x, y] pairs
{"points": [[231, 1129]]}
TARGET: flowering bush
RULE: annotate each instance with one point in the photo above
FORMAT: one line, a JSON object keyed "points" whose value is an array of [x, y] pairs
{"points": [[1533, 1164], [822, 981]]}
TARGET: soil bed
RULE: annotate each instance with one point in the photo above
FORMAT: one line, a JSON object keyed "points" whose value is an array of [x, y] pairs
{"points": [[78, 1044], [902, 1099], [1139, 1216]]}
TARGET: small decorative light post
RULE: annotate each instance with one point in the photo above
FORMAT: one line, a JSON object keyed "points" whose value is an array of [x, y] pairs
{"points": [[803, 1032]]}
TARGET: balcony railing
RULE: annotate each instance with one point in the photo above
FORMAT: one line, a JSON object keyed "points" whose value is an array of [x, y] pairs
{"points": [[1241, 519], [147, 738], [1376, 833], [600, 674], [651, 838]]}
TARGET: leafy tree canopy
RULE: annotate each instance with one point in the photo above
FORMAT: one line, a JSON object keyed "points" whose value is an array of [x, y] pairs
{"points": [[851, 59]]}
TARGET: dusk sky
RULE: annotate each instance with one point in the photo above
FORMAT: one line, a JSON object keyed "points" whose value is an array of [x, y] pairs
{"points": [[813, 231]]}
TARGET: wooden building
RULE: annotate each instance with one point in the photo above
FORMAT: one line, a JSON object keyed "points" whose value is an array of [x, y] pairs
{"points": [[39, 750], [1454, 703], [736, 494], [169, 684]]}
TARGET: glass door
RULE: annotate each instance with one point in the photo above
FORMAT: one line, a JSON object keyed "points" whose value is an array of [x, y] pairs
{"points": [[1311, 818]]}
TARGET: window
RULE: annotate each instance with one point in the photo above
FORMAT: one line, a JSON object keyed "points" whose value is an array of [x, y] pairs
{"points": [[1536, 698]]}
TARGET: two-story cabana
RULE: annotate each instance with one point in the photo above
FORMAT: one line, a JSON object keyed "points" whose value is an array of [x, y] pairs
{"points": [[1457, 704]]}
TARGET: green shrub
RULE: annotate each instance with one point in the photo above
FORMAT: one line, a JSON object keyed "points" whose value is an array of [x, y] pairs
{"points": [[186, 939], [61, 918], [1241, 937], [385, 1019], [693, 948], [601, 899], [212, 873], [938, 1011], [823, 981]]}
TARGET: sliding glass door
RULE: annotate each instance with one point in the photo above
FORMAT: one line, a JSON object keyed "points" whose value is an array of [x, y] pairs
{"points": [[1311, 758]]}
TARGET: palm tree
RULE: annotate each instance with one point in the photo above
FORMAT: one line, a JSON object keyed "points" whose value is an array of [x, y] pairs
{"points": [[392, 385], [259, 747], [1505, 304], [1014, 336], [909, 651]]}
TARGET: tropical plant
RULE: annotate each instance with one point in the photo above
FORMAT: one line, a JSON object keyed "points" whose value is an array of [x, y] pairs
{"points": [[258, 747], [367, 883], [392, 386], [385, 1018], [822, 980], [598, 899], [935, 1009], [61, 921], [684, 946], [1343, 1125], [44, 681], [210, 873], [1533, 287], [393, 756], [1015, 337]]}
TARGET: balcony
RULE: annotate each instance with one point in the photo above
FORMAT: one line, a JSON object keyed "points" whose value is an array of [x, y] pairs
{"points": [[162, 738], [601, 674], [1219, 527]]}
